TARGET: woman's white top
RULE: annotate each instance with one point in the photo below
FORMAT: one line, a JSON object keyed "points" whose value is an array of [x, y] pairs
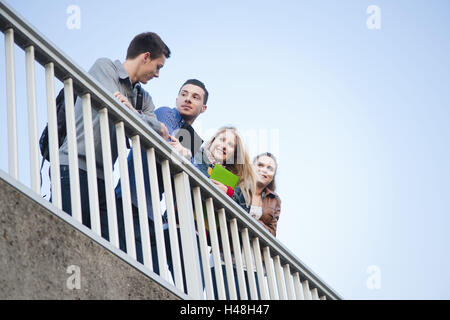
{"points": [[256, 212]]}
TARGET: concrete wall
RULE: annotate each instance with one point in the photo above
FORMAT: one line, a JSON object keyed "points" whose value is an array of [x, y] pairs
{"points": [[37, 248]]}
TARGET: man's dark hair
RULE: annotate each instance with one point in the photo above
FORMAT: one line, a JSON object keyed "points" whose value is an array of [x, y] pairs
{"points": [[197, 83], [147, 42]]}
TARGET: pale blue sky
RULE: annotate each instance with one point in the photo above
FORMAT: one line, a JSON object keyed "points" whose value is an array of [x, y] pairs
{"points": [[359, 117]]}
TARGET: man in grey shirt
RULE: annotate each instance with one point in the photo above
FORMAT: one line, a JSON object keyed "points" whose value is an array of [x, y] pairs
{"points": [[146, 55]]}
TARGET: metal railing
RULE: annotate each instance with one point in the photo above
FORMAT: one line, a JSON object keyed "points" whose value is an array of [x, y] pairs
{"points": [[238, 241]]}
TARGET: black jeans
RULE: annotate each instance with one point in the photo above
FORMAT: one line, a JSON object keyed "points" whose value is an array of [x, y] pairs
{"points": [[137, 235], [227, 292], [138, 242], [84, 194]]}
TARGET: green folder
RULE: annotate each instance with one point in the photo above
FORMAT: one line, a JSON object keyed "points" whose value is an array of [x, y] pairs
{"points": [[224, 176]]}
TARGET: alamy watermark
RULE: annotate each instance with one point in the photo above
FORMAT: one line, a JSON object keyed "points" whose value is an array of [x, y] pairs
{"points": [[74, 19], [255, 141], [373, 22], [74, 280], [373, 282]]}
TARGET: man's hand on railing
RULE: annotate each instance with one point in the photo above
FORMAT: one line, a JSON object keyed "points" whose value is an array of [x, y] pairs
{"points": [[164, 132], [124, 100]]}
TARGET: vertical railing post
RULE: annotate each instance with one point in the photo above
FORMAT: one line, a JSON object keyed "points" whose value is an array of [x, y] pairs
{"points": [[203, 242], [259, 269], [53, 144], [220, 285], [126, 193], [237, 249], [188, 236], [73, 150], [32, 120], [270, 273], [279, 278], [109, 180], [172, 224], [315, 294], [11, 103], [306, 291], [142, 202], [249, 264], [157, 218], [91, 163], [227, 254], [298, 286], [289, 282]]}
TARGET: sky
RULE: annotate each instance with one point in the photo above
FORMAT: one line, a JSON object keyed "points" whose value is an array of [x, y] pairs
{"points": [[352, 96]]}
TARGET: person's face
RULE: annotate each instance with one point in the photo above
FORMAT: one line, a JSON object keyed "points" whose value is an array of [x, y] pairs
{"points": [[190, 102], [223, 147], [150, 67], [265, 167]]}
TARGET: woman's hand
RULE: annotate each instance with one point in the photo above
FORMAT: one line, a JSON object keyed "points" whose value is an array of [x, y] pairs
{"points": [[221, 186]]}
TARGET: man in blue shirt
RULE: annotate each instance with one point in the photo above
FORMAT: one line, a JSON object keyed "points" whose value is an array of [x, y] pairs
{"points": [[190, 103]]}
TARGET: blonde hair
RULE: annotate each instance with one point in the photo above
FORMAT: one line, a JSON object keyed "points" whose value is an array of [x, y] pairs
{"points": [[240, 165]]}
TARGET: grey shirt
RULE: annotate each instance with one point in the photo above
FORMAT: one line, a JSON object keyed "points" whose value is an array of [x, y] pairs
{"points": [[113, 77]]}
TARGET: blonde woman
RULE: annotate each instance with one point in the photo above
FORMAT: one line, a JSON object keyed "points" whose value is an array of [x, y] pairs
{"points": [[227, 148]]}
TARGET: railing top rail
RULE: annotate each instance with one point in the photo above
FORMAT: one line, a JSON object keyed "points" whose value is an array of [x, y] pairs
{"points": [[46, 52]]}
